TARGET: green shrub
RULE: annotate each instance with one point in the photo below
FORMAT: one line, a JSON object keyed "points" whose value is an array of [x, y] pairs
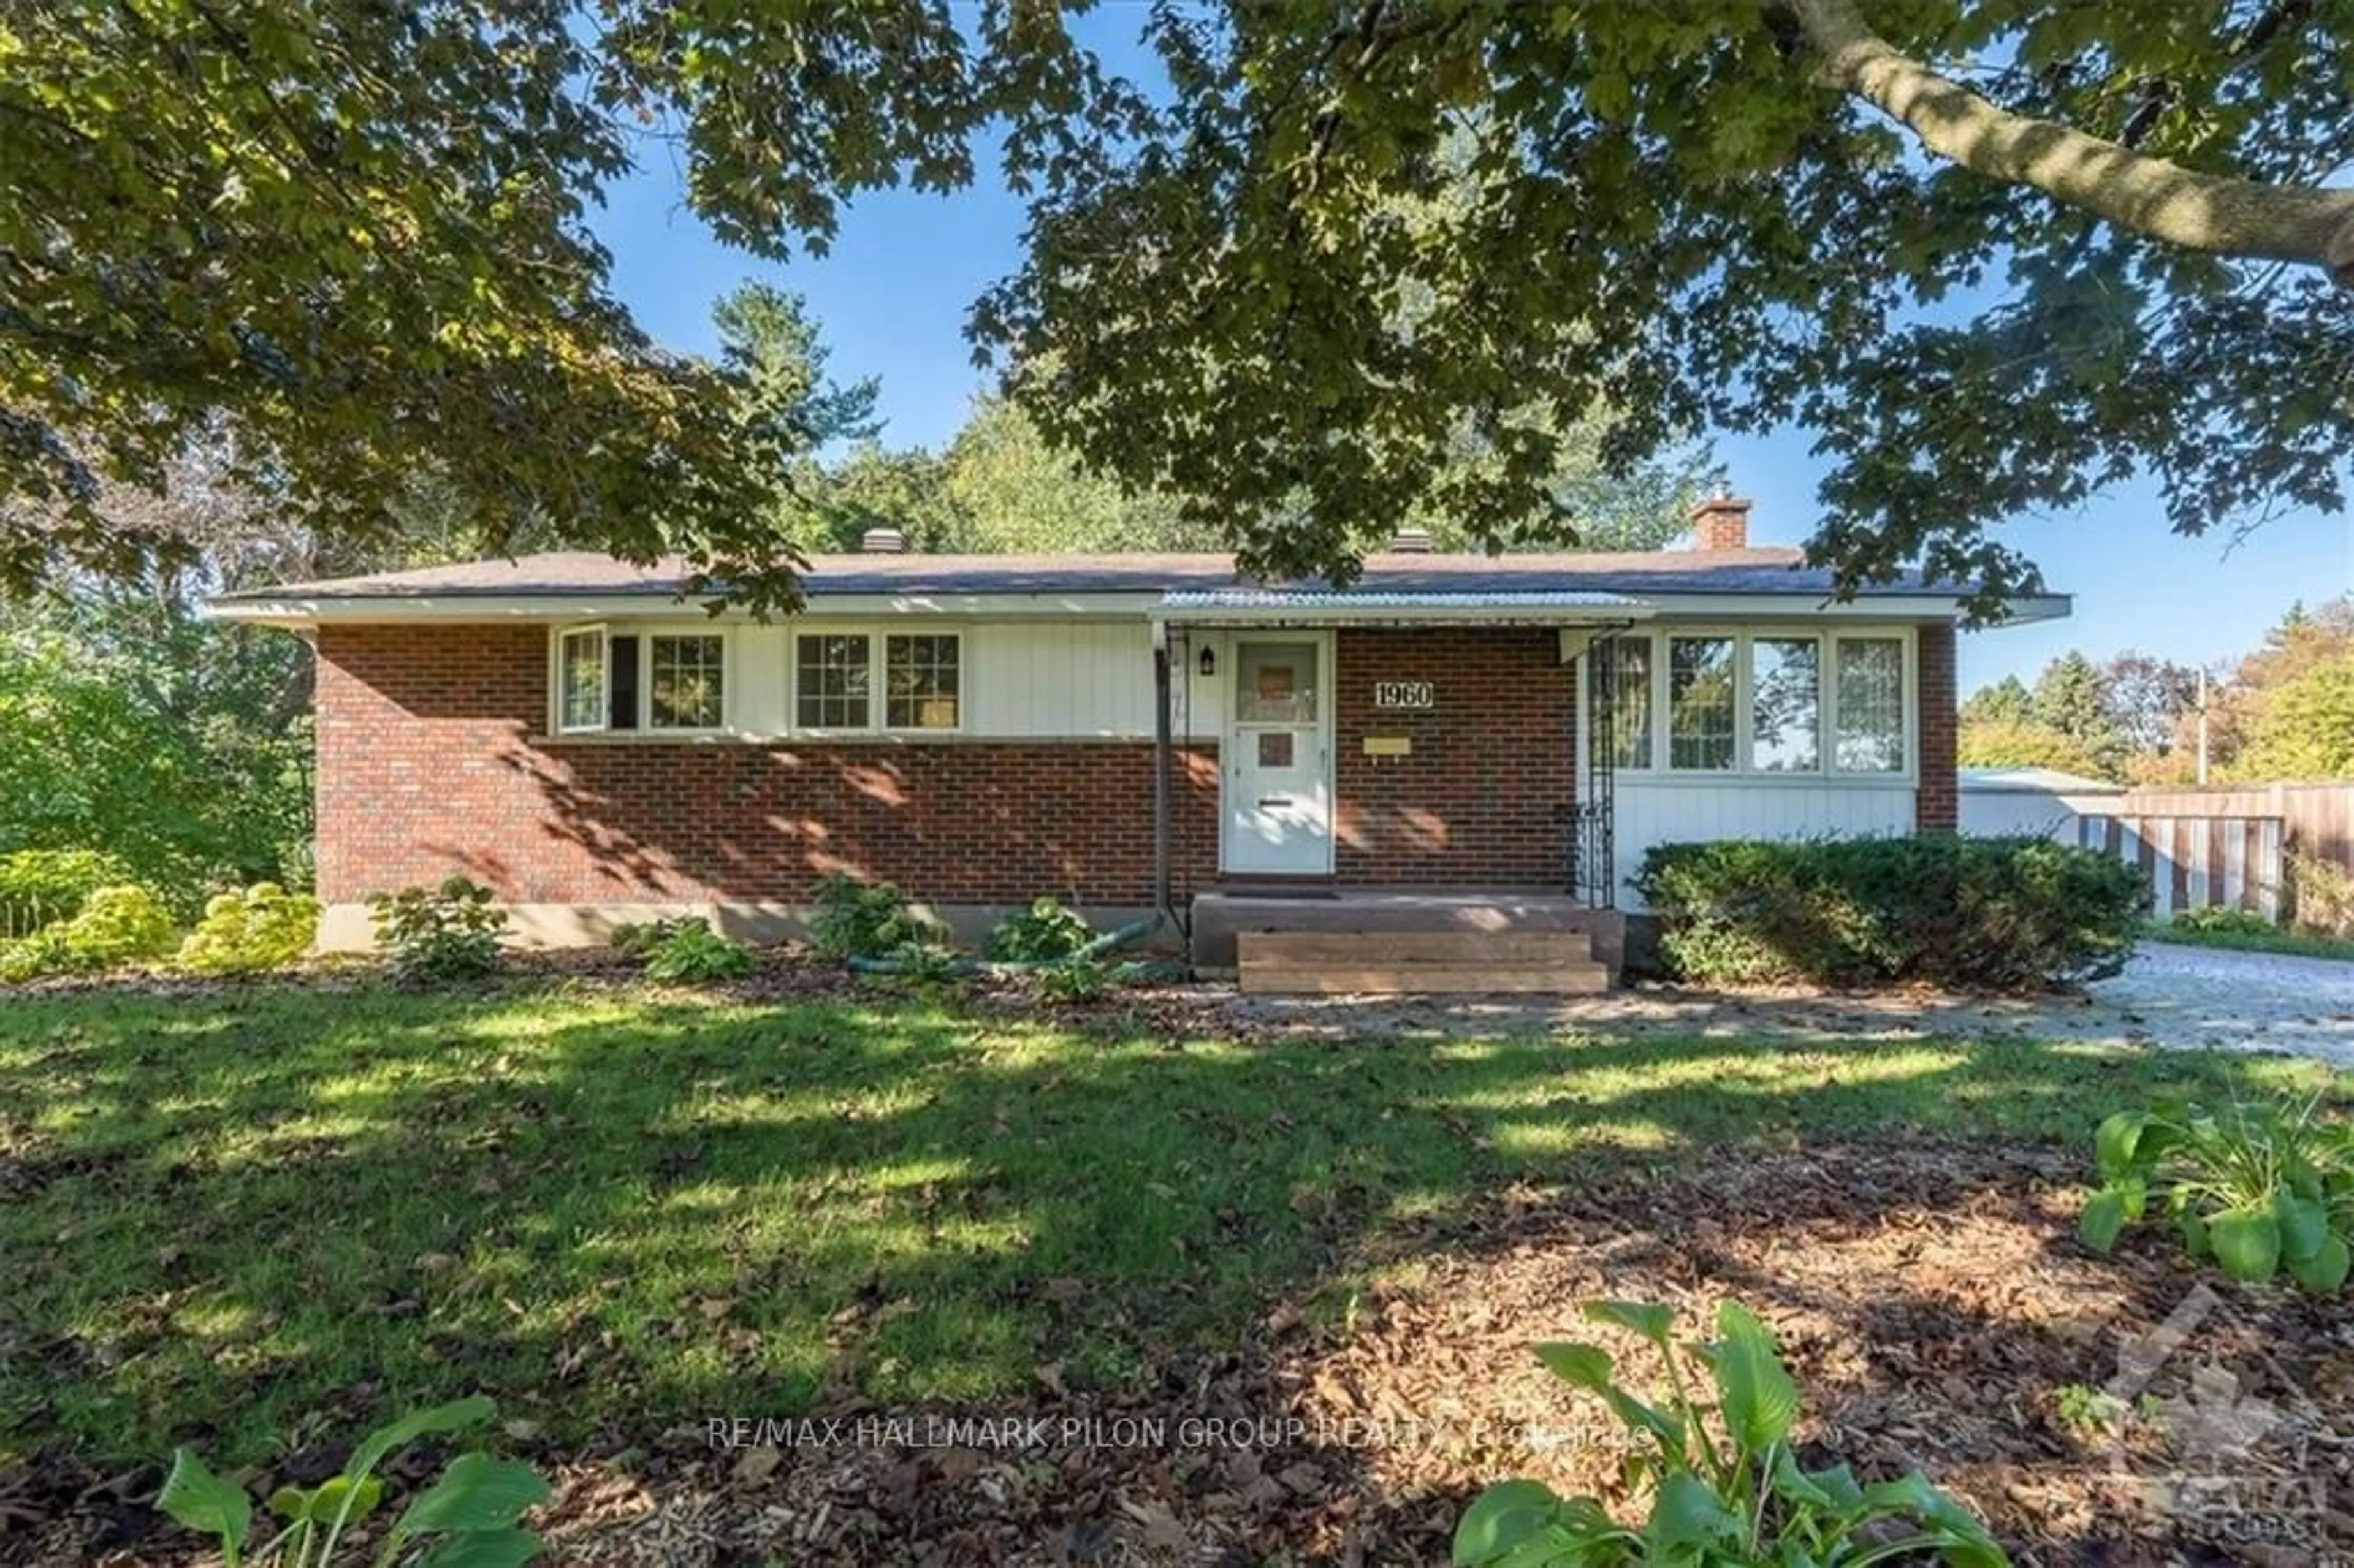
{"points": [[1992, 913], [41, 887], [1080, 980], [120, 924], [694, 954], [638, 938], [858, 919], [440, 935], [1040, 934], [471, 1514], [2225, 922], [927, 961], [264, 928], [2258, 1190], [1723, 1492], [2320, 896]]}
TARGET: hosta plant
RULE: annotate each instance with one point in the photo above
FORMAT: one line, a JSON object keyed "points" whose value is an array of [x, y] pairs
{"points": [[694, 954], [466, 1518], [434, 936], [1714, 1469], [1042, 933], [2258, 1190]]}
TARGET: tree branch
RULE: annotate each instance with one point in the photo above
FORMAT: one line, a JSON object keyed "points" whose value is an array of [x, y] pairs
{"points": [[2148, 195]]}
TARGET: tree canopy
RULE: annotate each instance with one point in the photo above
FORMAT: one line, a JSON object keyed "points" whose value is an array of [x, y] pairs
{"points": [[1995, 253]]}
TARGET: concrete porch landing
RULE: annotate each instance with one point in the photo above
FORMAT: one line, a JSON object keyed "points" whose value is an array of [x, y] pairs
{"points": [[1219, 915]]}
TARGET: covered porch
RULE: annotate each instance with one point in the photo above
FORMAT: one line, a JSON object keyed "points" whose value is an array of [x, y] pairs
{"points": [[1414, 790]]}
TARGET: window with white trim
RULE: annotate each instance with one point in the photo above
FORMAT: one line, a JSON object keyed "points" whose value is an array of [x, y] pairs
{"points": [[583, 672], [1870, 738], [1701, 722], [610, 679], [1786, 704], [882, 683], [1762, 703], [686, 683]]}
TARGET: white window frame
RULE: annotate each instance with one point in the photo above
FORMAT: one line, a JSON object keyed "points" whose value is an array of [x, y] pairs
{"points": [[645, 636], [646, 632], [557, 664], [1745, 636], [877, 637]]}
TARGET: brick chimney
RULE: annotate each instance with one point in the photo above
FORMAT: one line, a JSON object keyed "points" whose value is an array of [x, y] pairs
{"points": [[1721, 522]]}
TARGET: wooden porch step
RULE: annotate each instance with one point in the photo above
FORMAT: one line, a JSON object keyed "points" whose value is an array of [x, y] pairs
{"points": [[1418, 963]]}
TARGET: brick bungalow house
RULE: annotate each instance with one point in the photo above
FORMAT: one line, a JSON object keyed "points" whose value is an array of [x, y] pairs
{"points": [[1131, 734]]}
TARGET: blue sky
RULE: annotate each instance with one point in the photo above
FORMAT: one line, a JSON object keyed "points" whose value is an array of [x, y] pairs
{"points": [[891, 300]]}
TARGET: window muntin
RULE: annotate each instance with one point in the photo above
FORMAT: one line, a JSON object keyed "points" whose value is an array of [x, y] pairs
{"points": [[1870, 702], [833, 680], [1786, 704], [581, 676], [923, 681], [1629, 686], [687, 686], [1701, 725]]}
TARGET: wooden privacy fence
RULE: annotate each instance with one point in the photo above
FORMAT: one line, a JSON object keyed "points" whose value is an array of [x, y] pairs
{"points": [[2317, 820], [2195, 861]]}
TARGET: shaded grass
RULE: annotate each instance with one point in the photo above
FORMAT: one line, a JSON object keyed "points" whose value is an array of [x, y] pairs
{"points": [[2297, 944], [249, 1219]]}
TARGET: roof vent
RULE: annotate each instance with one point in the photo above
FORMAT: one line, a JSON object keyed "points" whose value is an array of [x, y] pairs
{"points": [[1412, 542], [1721, 522], [883, 542]]}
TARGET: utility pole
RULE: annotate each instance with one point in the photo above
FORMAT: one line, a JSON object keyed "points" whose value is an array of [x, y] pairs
{"points": [[2202, 726]]}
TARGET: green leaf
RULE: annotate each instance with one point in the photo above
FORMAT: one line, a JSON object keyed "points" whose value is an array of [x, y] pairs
{"points": [[451, 1417], [2325, 1272], [1651, 1321], [2114, 1146], [484, 1548], [2104, 1220], [196, 1497], [2247, 1243], [322, 1503], [2195, 1238], [475, 1493], [1759, 1401], [1589, 1367], [1687, 1516], [1501, 1520], [2304, 1226]]}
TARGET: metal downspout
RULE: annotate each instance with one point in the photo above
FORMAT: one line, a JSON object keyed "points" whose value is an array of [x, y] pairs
{"points": [[1160, 755]]}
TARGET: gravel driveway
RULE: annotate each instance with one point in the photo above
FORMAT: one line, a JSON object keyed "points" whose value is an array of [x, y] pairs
{"points": [[2170, 996]]}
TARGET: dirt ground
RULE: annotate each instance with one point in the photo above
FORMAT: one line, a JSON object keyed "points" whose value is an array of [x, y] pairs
{"points": [[1931, 1302]]}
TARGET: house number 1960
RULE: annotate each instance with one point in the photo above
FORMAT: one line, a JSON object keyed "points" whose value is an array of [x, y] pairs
{"points": [[1404, 695]]}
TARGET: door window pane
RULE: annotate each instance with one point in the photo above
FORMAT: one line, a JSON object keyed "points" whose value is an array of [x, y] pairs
{"points": [[687, 689], [1624, 663], [1277, 683], [1871, 677], [1700, 703], [924, 682], [1785, 687], [832, 688]]}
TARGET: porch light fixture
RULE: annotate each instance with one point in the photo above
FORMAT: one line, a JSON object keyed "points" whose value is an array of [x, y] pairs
{"points": [[1209, 660]]}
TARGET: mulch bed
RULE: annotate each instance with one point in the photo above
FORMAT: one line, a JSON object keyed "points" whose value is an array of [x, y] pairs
{"points": [[1932, 1301]]}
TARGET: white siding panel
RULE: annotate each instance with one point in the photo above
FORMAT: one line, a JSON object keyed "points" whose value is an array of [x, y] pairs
{"points": [[762, 705], [2006, 812], [1060, 678], [1651, 812]]}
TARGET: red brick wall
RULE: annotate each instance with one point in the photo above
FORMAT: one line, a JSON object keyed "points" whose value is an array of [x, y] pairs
{"points": [[1482, 798], [430, 760], [1937, 803]]}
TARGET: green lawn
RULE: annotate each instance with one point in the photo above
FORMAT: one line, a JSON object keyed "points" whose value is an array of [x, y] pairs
{"points": [[2297, 943], [254, 1219]]}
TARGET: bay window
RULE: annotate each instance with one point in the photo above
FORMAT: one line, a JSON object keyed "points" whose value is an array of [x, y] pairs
{"points": [[1758, 703]]}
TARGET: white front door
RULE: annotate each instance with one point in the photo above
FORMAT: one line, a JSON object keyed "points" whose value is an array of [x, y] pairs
{"points": [[1278, 790]]}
